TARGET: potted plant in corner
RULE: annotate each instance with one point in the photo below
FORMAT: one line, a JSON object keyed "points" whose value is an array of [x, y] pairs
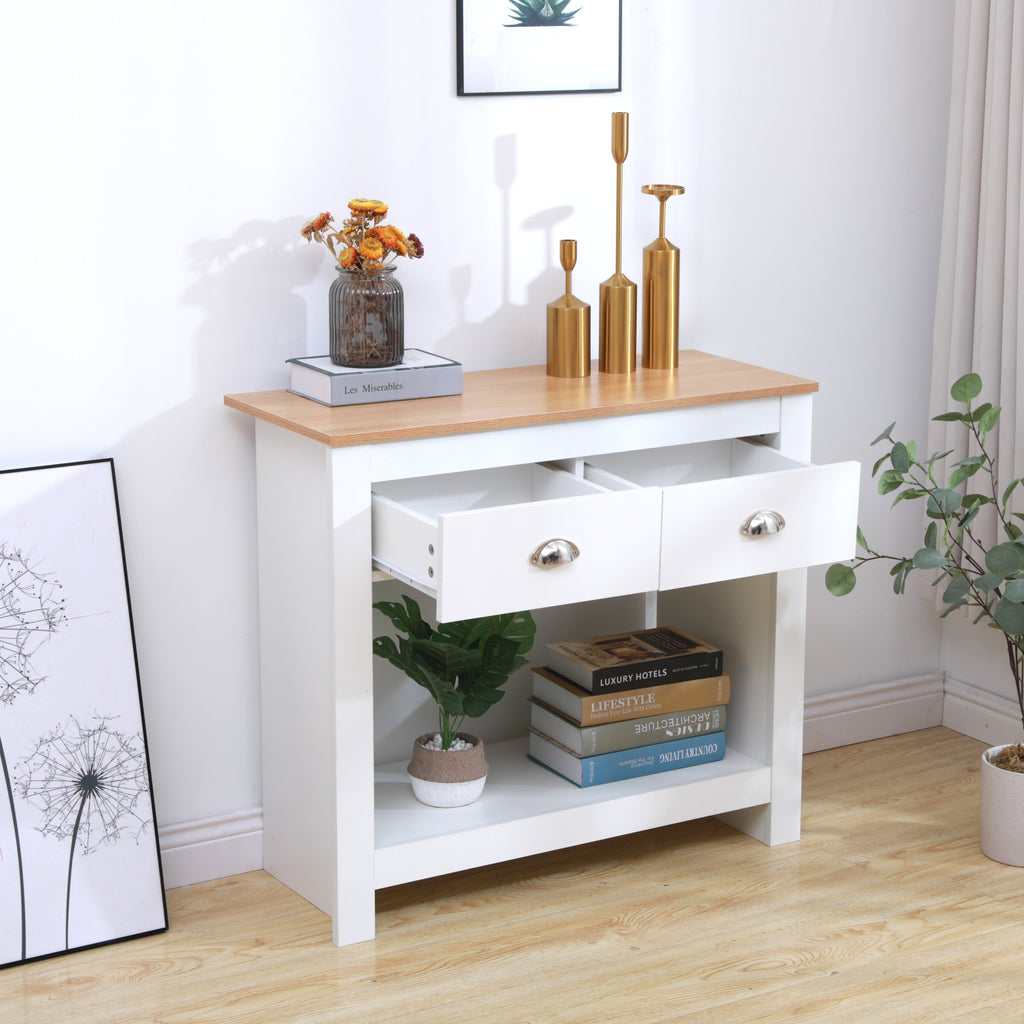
{"points": [[986, 579], [463, 665]]}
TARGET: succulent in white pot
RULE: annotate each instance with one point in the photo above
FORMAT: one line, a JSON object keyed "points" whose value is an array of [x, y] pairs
{"points": [[986, 579], [463, 665]]}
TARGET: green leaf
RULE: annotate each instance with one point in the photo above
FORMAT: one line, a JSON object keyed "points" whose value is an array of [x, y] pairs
{"points": [[988, 420], [929, 558], [885, 434], [943, 501], [910, 494], [1005, 560], [967, 387], [840, 579], [950, 417], [862, 541], [1009, 617], [982, 410], [889, 481], [988, 581], [1014, 592], [958, 589], [1010, 488], [900, 457]]}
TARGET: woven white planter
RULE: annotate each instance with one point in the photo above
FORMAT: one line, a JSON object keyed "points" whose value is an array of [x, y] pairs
{"points": [[448, 778], [1002, 812]]}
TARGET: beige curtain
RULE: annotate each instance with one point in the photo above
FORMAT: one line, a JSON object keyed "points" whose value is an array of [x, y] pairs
{"points": [[979, 317]]}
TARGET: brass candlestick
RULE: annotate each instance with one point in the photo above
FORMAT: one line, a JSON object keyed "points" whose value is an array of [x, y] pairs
{"points": [[661, 290], [568, 325], [617, 296]]}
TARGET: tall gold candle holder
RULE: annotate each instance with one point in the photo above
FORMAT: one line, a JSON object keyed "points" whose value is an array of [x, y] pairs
{"points": [[661, 290], [568, 325], [617, 296]]}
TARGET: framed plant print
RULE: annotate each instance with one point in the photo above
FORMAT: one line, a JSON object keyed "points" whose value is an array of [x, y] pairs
{"points": [[79, 860], [506, 47]]}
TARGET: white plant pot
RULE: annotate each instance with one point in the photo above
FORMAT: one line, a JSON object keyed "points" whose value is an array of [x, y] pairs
{"points": [[448, 778], [1002, 812]]}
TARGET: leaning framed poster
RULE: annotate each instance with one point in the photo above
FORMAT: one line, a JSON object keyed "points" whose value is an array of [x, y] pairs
{"points": [[538, 46], [79, 860]]}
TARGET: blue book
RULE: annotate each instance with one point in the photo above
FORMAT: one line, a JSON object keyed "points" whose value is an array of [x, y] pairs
{"points": [[596, 769]]}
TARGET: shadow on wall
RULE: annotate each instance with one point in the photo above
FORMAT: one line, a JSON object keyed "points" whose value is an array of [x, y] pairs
{"points": [[254, 319], [513, 335]]}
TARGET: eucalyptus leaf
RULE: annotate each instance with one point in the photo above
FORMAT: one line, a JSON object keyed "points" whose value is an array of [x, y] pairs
{"points": [[885, 434], [1005, 560], [900, 457], [1009, 616], [943, 501], [967, 387], [1014, 592], [840, 579], [929, 558]]}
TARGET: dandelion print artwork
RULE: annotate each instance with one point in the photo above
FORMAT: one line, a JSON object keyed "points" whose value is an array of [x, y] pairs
{"points": [[79, 860], [88, 782]]}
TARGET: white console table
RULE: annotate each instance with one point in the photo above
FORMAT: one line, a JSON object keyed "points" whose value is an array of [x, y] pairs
{"points": [[651, 475]]}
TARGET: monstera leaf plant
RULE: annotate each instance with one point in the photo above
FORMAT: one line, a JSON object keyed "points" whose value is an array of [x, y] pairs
{"points": [[463, 665], [985, 578]]}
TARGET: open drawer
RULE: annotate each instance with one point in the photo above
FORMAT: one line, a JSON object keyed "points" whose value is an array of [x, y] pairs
{"points": [[738, 508], [468, 538]]}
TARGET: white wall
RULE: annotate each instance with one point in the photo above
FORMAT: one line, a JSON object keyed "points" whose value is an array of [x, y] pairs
{"points": [[161, 157]]}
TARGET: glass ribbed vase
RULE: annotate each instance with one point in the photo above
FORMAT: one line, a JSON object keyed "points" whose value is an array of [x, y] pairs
{"points": [[367, 319]]}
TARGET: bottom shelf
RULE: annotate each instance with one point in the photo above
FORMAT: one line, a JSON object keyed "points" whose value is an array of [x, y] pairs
{"points": [[526, 809]]}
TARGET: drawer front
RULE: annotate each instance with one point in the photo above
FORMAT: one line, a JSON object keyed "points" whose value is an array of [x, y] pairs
{"points": [[702, 540], [484, 555]]}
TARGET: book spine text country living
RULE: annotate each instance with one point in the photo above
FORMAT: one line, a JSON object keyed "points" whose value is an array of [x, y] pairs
{"points": [[600, 769]]}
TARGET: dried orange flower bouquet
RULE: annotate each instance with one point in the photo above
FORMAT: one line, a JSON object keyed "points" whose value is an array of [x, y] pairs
{"points": [[363, 243]]}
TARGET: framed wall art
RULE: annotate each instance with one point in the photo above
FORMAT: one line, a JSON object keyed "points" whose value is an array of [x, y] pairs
{"points": [[79, 860], [538, 46]]}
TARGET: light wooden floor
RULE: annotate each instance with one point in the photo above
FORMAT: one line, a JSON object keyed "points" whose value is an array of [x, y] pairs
{"points": [[885, 911]]}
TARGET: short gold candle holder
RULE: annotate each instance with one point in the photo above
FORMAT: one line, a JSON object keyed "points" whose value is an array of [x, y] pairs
{"points": [[661, 290], [568, 325], [617, 296]]}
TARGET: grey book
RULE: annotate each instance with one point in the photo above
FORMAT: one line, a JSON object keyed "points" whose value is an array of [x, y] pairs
{"points": [[419, 375], [584, 740]]}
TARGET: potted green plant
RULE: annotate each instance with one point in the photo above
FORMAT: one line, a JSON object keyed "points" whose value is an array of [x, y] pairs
{"points": [[987, 579], [463, 665]]}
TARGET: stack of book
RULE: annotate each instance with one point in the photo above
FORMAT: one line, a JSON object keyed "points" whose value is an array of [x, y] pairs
{"points": [[632, 704]]}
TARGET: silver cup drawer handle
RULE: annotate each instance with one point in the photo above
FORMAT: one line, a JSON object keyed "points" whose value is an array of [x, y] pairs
{"points": [[553, 553], [762, 523]]}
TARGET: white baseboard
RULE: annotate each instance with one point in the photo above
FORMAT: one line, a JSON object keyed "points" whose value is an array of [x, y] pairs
{"points": [[208, 848], [979, 714], [229, 844], [871, 712]]}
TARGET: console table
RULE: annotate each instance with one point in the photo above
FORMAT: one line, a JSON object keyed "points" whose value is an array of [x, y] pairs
{"points": [[652, 475]]}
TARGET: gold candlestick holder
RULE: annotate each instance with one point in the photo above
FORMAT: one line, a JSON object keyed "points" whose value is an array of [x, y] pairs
{"points": [[661, 290], [568, 325], [617, 296]]}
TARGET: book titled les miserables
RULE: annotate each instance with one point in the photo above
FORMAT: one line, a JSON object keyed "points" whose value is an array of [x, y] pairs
{"points": [[419, 375], [644, 657], [598, 769]]}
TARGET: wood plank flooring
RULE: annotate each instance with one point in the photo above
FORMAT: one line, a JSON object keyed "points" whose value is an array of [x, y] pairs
{"points": [[885, 911]]}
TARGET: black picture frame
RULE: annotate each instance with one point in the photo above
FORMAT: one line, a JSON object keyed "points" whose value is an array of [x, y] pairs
{"points": [[498, 55], [80, 862]]}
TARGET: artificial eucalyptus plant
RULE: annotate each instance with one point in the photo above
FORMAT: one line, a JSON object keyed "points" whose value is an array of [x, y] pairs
{"points": [[987, 579], [463, 665]]}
